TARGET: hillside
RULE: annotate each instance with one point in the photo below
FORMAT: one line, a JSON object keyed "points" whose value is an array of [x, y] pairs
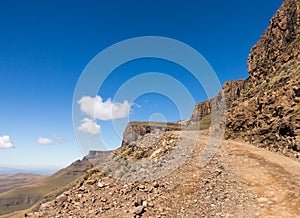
{"points": [[11, 181], [23, 196], [231, 185]]}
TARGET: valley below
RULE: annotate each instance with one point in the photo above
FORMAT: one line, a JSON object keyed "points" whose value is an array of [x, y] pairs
{"points": [[11, 181]]}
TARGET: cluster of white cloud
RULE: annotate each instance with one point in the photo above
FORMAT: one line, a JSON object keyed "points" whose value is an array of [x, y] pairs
{"points": [[44, 141], [49, 141], [5, 142], [97, 109], [89, 126], [58, 139]]}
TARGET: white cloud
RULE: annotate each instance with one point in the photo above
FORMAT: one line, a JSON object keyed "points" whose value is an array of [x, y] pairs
{"points": [[58, 139], [5, 142], [44, 141], [89, 126], [96, 108]]}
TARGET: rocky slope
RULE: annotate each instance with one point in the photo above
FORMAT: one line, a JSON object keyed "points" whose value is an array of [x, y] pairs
{"points": [[232, 184], [279, 44], [264, 109], [267, 111], [197, 196], [26, 195]]}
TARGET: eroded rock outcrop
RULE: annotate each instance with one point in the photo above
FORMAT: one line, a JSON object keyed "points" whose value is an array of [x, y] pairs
{"points": [[230, 92], [278, 45], [268, 112], [264, 108], [136, 129]]}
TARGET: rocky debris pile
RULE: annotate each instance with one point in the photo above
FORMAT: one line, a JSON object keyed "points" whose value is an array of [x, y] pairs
{"points": [[146, 146], [199, 192], [151, 139], [150, 157]]}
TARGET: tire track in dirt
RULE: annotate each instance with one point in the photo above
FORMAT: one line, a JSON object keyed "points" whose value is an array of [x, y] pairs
{"points": [[273, 178]]}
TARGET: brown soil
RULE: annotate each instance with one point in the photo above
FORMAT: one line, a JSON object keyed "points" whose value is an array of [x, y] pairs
{"points": [[239, 181]]}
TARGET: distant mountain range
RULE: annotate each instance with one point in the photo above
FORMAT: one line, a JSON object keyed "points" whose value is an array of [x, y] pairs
{"points": [[7, 170]]}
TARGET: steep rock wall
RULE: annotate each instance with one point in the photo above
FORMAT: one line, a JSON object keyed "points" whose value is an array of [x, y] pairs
{"points": [[267, 111], [230, 92], [136, 129], [278, 45]]}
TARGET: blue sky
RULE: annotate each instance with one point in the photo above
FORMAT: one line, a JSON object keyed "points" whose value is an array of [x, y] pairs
{"points": [[45, 46]]}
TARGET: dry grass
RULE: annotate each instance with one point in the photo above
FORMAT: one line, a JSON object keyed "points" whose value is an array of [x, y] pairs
{"points": [[24, 197], [11, 181]]}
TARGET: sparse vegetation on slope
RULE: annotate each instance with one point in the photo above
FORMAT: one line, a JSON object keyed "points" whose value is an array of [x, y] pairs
{"points": [[11, 181], [25, 196]]}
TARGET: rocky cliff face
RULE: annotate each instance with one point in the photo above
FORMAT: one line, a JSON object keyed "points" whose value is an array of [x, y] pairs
{"points": [[136, 129], [230, 91], [264, 108], [267, 111], [278, 45]]}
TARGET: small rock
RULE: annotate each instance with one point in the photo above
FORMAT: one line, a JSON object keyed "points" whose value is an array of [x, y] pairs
{"points": [[100, 185], [145, 204], [155, 185], [138, 203], [161, 209], [91, 182], [138, 210], [262, 200]]}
